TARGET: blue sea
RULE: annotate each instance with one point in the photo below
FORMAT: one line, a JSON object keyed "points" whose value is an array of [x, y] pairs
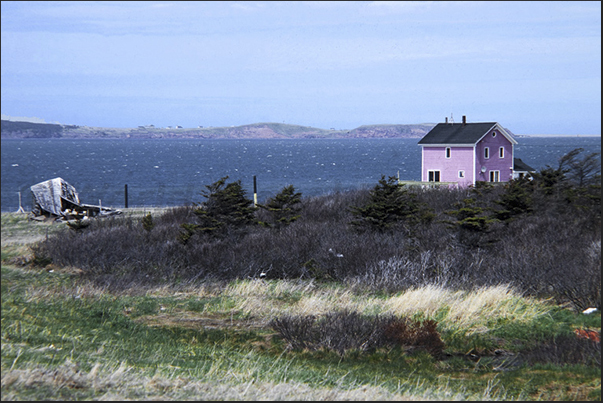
{"points": [[174, 172]]}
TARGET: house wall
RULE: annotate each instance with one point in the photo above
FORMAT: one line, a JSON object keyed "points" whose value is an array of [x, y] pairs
{"points": [[504, 165], [461, 159]]}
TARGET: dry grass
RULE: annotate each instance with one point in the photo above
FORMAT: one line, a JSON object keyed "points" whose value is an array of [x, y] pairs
{"points": [[468, 310], [294, 298], [254, 303], [122, 382], [464, 309]]}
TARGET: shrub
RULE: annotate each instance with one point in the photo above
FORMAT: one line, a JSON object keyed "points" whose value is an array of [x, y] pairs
{"points": [[283, 208], [516, 199], [554, 251], [390, 204], [348, 330], [226, 208], [568, 349], [147, 222]]}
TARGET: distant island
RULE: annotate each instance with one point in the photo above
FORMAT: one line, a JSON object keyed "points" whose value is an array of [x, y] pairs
{"points": [[21, 130]]}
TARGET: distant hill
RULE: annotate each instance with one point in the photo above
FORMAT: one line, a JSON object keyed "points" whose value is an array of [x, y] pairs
{"points": [[12, 129], [31, 130]]}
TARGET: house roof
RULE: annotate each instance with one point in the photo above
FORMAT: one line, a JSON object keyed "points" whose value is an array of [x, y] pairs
{"points": [[519, 165], [457, 133]]}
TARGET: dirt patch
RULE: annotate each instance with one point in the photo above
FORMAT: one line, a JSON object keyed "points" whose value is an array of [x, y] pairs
{"points": [[197, 321]]}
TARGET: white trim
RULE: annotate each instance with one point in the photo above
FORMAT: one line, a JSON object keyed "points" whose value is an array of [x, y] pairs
{"points": [[506, 134], [474, 166], [422, 163], [501, 130]]}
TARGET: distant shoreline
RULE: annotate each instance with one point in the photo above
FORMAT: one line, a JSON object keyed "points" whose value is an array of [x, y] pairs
{"points": [[255, 131]]}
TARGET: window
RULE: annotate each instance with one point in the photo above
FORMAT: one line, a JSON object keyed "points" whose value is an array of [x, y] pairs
{"points": [[487, 152], [433, 176], [494, 176], [461, 174], [493, 134], [501, 152], [447, 152]]}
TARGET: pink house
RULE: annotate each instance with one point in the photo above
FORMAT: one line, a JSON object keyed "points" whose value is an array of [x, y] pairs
{"points": [[465, 153]]}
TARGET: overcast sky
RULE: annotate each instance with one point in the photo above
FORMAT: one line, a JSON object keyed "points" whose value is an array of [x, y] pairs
{"points": [[534, 67]]}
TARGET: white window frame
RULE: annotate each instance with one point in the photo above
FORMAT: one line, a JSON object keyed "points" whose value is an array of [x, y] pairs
{"points": [[487, 152], [461, 173], [494, 176], [431, 175], [501, 152], [448, 152]]}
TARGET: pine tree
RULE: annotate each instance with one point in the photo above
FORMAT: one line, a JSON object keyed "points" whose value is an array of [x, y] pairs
{"points": [[227, 209], [390, 204], [147, 222], [471, 217], [516, 200], [284, 208]]}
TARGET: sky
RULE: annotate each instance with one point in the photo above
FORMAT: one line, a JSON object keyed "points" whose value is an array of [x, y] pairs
{"points": [[534, 67]]}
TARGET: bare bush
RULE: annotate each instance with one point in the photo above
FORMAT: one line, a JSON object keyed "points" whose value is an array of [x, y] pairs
{"points": [[348, 330], [566, 350], [552, 251]]}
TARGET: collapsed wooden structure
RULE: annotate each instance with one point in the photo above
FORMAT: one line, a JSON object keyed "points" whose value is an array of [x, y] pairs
{"points": [[55, 198]]}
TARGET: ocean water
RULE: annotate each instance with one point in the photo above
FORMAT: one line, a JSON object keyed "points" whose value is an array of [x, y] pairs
{"points": [[174, 172]]}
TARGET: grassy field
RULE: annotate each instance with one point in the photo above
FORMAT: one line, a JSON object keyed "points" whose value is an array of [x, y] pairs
{"points": [[63, 338]]}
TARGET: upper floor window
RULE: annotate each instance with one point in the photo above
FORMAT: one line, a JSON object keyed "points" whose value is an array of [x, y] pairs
{"points": [[448, 151], [501, 152], [493, 134], [487, 152]]}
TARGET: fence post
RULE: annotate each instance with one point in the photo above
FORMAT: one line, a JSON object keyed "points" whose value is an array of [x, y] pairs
{"points": [[255, 192], [20, 206]]}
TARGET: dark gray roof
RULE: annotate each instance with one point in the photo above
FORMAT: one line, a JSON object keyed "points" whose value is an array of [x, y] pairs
{"points": [[456, 133], [519, 165]]}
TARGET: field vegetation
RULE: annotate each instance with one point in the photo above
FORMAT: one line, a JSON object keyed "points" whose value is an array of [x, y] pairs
{"points": [[397, 292]]}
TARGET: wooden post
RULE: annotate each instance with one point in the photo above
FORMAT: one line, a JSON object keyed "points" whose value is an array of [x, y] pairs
{"points": [[255, 192], [126, 194]]}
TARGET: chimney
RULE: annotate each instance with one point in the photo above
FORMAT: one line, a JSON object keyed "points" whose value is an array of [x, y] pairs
{"points": [[464, 120], [446, 121]]}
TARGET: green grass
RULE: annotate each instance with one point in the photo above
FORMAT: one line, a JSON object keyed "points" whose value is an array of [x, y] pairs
{"points": [[66, 339], [48, 326]]}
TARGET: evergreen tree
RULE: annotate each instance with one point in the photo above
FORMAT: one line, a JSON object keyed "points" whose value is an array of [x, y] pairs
{"points": [[516, 199], [284, 208], [226, 209], [581, 172], [147, 222], [390, 205], [471, 217], [473, 223]]}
